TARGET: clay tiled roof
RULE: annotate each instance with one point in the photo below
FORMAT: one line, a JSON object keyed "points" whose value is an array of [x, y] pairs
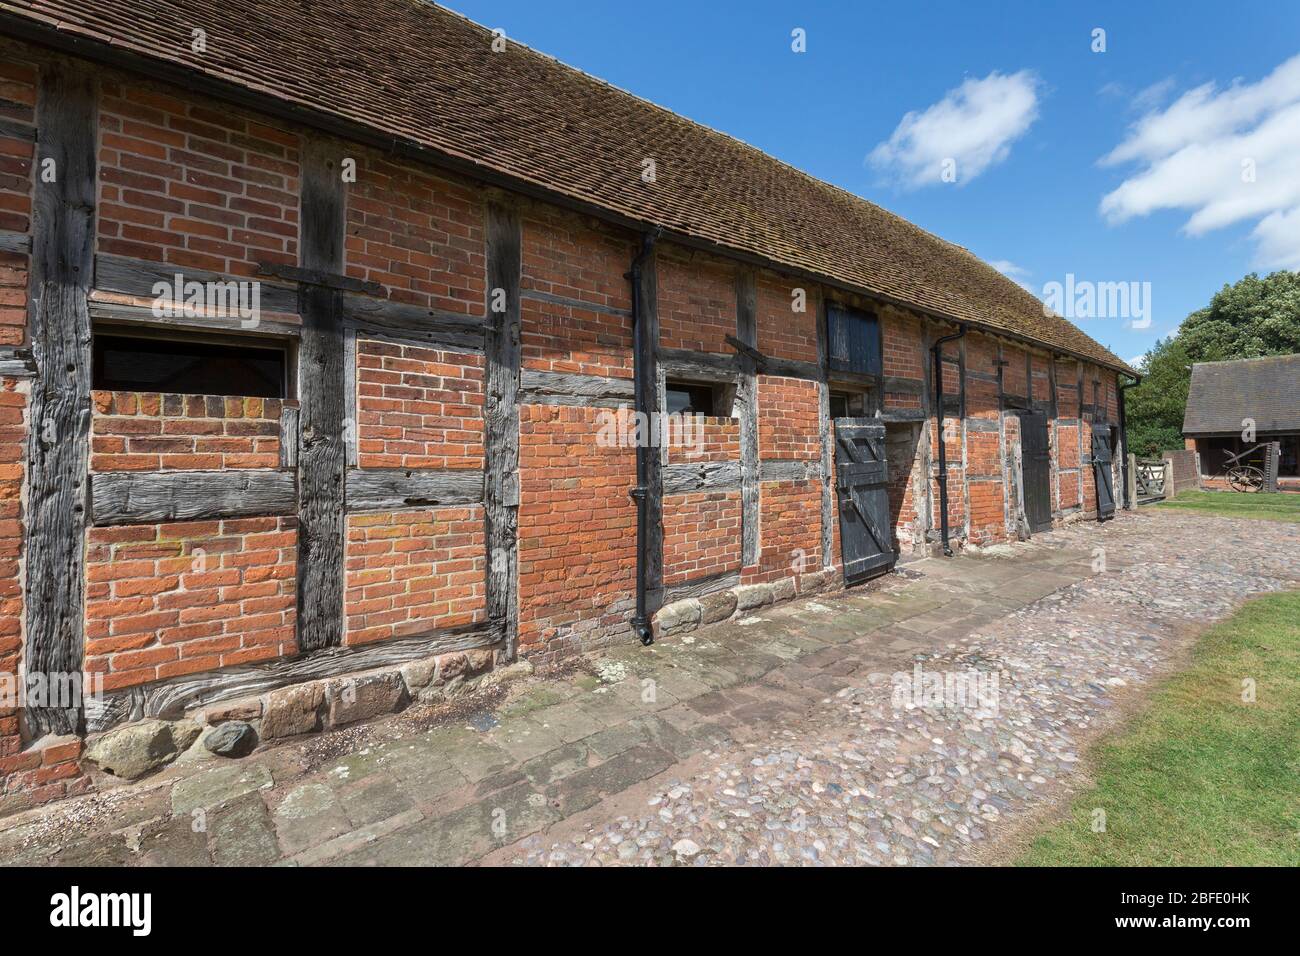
{"points": [[422, 76], [1224, 394]]}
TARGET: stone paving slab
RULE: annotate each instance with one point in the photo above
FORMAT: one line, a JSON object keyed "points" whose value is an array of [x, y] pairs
{"points": [[772, 739]]}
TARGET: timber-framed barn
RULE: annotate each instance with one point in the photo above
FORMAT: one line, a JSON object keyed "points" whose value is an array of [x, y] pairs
{"points": [[312, 314]]}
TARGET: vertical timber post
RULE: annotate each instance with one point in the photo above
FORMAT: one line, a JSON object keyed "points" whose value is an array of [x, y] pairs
{"points": [[58, 435], [747, 391], [501, 415], [646, 385], [322, 383], [825, 437]]}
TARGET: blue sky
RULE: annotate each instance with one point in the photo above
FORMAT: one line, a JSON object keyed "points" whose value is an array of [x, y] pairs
{"points": [[1015, 95]]}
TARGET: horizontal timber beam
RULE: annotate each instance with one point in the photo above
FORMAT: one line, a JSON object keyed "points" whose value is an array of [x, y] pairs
{"points": [[538, 387], [681, 477], [169, 699], [137, 278], [391, 489], [148, 497]]}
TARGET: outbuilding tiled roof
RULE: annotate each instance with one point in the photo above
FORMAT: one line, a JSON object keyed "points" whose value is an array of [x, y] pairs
{"points": [[1224, 395], [426, 77]]}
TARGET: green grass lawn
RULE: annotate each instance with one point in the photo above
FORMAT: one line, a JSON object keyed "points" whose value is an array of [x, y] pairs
{"points": [[1200, 777], [1230, 504]]}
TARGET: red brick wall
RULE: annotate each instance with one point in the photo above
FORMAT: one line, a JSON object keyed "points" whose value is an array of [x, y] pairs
{"points": [[705, 438], [783, 332], [418, 235], [788, 415], [790, 538], [1013, 371], [902, 344], [13, 407], [701, 535], [170, 599], [697, 305], [194, 183], [418, 407], [17, 105], [135, 431], [577, 529], [564, 257], [410, 572]]}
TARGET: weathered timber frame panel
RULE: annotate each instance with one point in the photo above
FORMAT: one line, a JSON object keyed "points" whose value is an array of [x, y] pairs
{"points": [[747, 400], [501, 420], [322, 386], [650, 398], [62, 266]]}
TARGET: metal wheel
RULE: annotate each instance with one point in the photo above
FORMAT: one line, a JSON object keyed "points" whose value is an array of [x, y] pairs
{"points": [[1245, 478]]}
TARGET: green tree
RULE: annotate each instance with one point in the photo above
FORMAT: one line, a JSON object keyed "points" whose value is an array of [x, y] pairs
{"points": [[1249, 319]]}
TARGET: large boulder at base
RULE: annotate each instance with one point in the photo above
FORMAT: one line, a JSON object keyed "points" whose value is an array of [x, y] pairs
{"points": [[135, 749], [294, 710], [234, 738]]}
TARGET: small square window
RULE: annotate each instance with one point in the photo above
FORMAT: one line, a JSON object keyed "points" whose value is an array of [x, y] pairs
{"points": [[127, 363], [848, 405], [685, 398]]}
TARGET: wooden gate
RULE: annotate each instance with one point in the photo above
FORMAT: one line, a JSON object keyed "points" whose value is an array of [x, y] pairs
{"points": [[862, 485], [1036, 470], [1101, 471]]}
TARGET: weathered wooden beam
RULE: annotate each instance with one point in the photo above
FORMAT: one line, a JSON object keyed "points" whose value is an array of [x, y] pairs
{"points": [[136, 277], [747, 402], [650, 397], [148, 497], [699, 366], [501, 419], [792, 368], [169, 699], [826, 436], [688, 476], [116, 313], [539, 387], [289, 435], [398, 321], [17, 363], [904, 415], [18, 242], [701, 586], [322, 458], [904, 386], [391, 489], [62, 260], [341, 283]]}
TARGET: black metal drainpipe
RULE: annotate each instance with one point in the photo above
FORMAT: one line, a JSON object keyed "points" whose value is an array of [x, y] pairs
{"points": [[645, 391], [1123, 437], [937, 350]]}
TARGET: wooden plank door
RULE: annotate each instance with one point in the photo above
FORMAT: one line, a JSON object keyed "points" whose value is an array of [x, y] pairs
{"points": [[1101, 471], [862, 485], [1036, 470]]}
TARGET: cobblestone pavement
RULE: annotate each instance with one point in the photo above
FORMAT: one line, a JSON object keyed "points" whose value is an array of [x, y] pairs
{"points": [[783, 738]]}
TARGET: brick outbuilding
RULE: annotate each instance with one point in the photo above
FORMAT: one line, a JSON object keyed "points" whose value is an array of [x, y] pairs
{"points": [[339, 337]]}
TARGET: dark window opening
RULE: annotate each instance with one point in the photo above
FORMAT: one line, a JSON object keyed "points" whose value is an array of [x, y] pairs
{"points": [[684, 398], [188, 366], [848, 405]]}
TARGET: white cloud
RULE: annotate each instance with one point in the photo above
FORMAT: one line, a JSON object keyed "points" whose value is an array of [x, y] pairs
{"points": [[1225, 156], [973, 125]]}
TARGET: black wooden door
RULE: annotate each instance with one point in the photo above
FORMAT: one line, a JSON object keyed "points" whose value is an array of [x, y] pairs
{"points": [[1101, 471], [1036, 468], [862, 484]]}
